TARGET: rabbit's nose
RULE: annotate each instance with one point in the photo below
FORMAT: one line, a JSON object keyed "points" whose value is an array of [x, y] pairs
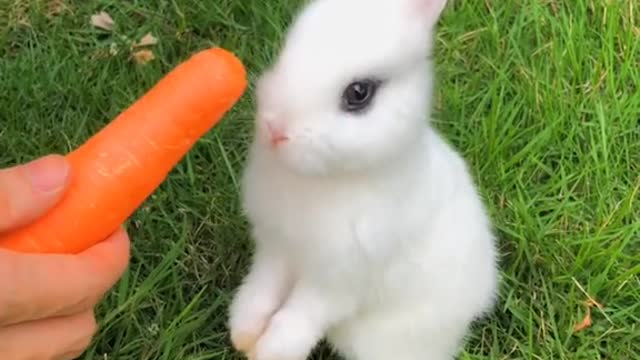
{"points": [[277, 135]]}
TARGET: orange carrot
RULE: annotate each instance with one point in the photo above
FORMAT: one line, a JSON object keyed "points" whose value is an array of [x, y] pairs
{"points": [[118, 168]]}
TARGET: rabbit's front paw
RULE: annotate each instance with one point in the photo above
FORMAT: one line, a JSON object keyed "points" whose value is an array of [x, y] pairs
{"points": [[258, 298], [246, 329], [290, 336], [249, 315]]}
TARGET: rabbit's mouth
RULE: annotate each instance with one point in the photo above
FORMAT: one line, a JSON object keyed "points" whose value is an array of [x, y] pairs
{"points": [[276, 135], [297, 154], [272, 133]]}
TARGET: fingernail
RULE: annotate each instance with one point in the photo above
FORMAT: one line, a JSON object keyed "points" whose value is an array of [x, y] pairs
{"points": [[48, 174]]}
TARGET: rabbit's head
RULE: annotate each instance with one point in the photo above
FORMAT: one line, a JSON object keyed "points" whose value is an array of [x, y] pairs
{"points": [[351, 87]]}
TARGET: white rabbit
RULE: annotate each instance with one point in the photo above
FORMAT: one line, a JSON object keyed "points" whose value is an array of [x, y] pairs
{"points": [[369, 231]]}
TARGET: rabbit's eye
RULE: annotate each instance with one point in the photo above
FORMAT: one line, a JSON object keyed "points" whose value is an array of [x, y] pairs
{"points": [[358, 95]]}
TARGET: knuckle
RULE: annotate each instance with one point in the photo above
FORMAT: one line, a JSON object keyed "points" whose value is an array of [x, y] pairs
{"points": [[90, 325], [88, 328]]}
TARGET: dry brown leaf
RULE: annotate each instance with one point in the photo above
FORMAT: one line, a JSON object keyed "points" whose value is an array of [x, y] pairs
{"points": [[146, 40], [19, 14], [103, 21], [143, 56], [587, 321], [592, 303], [56, 7]]}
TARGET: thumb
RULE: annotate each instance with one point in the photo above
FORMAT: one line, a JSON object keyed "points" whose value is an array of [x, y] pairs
{"points": [[27, 191]]}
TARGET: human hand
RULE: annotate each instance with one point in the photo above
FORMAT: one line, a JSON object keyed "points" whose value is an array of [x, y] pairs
{"points": [[47, 301]]}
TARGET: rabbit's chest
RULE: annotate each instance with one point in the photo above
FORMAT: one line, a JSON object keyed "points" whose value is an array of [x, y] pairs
{"points": [[337, 229]]}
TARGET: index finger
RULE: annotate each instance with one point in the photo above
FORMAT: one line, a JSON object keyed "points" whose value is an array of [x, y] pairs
{"points": [[34, 287]]}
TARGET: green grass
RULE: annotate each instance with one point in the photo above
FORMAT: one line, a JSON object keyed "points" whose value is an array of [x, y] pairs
{"points": [[541, 97]]}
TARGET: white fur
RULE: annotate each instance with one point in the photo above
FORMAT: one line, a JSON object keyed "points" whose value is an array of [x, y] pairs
{"points": [[368, 228]]}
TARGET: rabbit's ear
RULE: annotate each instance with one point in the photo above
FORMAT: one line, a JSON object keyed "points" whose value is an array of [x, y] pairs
{"points": [[430, 10]]}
